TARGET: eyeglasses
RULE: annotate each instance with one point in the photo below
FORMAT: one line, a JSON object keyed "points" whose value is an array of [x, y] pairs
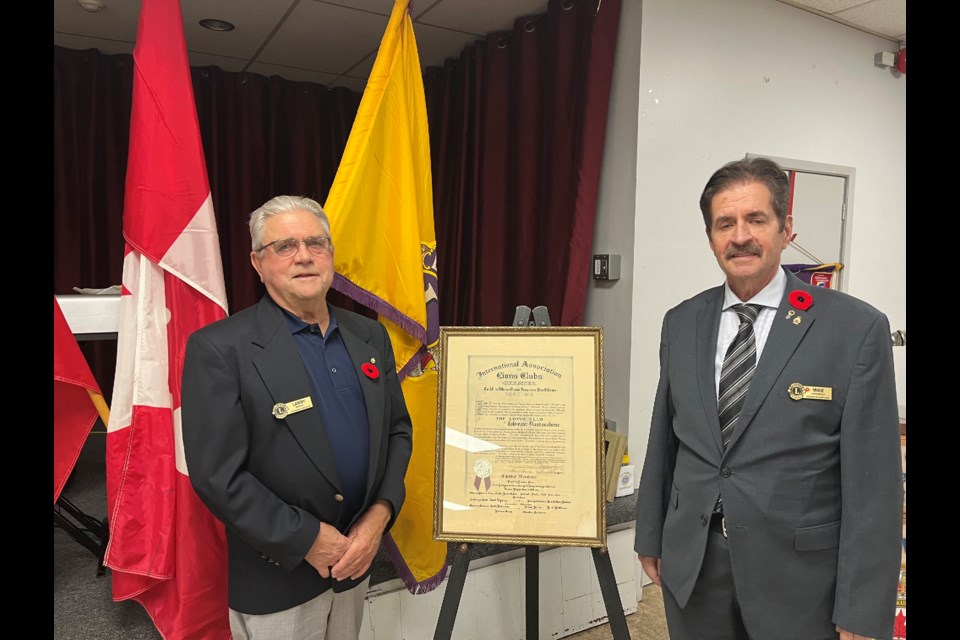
{"points": [[287, 247]]}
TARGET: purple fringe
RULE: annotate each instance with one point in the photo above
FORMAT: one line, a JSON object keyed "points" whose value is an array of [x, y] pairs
{"points": [[414, 587], [364, 297]]}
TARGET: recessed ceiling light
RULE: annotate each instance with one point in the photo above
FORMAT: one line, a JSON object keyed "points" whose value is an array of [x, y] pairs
{"points": [[93, 6], [216, 25]]}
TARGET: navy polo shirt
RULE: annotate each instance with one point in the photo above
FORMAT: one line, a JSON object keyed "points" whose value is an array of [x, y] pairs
{"points": [[337, 395]]}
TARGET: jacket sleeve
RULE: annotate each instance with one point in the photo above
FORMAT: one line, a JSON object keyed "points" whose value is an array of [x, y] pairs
{"points": [[216, 443], [656, 477], [872, 492]]}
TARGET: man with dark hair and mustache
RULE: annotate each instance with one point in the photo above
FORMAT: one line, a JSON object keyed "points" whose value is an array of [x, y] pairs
{"points": [[770, 498]]}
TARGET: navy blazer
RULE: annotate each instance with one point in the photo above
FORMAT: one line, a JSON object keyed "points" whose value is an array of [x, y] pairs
{"points": [[271, 480]]}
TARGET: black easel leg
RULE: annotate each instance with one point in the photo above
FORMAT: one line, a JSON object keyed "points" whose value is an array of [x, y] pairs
{"points": [[532, 569], [451, 597], [611, 597]]}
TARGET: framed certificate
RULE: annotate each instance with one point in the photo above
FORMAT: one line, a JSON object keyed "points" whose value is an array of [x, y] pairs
{"points": [[520, 436]]}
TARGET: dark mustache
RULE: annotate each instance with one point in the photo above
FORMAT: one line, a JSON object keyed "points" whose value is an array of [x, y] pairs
{"points": [[751, 249]]}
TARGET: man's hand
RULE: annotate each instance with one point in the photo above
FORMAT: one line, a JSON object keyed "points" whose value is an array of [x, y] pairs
{"points": [[651, 567], [847, 635], [327, 549], [364, 538]]}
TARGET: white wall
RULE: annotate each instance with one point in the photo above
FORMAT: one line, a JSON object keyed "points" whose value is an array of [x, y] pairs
{"points": [[719, 79], [610, 304]]}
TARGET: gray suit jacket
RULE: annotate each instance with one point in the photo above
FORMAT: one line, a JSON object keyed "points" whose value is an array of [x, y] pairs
{"points": [[812, 489], [272, 481]]}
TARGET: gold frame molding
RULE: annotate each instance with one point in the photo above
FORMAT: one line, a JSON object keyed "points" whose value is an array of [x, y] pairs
{"points": [[520, 436]]}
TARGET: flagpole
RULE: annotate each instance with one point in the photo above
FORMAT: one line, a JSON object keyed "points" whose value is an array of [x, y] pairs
{"points": [[102, 409]]}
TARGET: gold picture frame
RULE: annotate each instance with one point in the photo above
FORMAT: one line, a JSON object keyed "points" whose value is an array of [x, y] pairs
{"points": [[520, 436]]}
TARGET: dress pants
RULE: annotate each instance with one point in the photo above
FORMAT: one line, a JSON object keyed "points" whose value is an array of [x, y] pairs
{"points": [[329, 616], [712, 613]]}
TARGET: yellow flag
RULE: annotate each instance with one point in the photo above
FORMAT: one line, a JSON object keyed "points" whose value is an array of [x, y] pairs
{"points": [[381, 216]]}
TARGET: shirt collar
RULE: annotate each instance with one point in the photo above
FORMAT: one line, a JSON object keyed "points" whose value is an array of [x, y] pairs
{"points": [[296, 325], [769, 296]]}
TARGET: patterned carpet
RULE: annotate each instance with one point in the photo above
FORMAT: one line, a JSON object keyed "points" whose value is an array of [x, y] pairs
{"points": [[648, 623]]}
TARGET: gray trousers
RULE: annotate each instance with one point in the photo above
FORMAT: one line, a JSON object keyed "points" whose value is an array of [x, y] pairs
{"points": [[329, 616], [712, 613]]}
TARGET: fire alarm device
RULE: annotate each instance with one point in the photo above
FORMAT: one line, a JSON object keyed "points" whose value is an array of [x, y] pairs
{"points": [[606, 266]]}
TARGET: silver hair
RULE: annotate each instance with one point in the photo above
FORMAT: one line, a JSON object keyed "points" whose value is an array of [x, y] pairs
{"points": [[283, 204]]}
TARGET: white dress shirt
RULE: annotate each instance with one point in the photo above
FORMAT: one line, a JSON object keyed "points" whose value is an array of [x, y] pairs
{"points": [[770, 297]]}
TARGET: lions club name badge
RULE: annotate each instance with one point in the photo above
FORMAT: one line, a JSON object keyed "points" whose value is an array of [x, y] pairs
{"points": [[799, 391], [282, 409]]}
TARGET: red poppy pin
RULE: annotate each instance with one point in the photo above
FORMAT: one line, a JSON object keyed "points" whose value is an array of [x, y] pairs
{"points": [[801, 299], [370, 370]]}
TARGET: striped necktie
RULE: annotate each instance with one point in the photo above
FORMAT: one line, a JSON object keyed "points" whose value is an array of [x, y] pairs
{"points": [[735, 375], [737, 370]]}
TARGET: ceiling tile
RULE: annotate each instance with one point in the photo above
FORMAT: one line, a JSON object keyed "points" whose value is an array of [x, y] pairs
{"points": [[888, 17], [381, 7], [435, 45], [828, 6], [322, 40], [324, 37], [253, 19], [362, 67], [479, 17], [117, 21]]}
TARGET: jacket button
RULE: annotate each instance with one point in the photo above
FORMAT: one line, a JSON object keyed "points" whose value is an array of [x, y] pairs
{"points": [[703, 520], [725, 473], [338, 498]]}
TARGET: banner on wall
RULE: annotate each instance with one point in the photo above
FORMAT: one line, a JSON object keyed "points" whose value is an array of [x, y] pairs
{"points": [[818, 275]]}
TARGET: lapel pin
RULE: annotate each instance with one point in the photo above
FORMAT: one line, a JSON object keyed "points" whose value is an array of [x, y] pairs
{"points": [[797, 320], [370, 370], [791, 313]]}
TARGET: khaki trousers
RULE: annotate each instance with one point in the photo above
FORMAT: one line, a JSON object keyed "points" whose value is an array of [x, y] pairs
{"points": [[329, 616]]}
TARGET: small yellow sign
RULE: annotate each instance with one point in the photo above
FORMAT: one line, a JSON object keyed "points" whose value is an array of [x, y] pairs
{"points": [[282, 409], [798, 391]]}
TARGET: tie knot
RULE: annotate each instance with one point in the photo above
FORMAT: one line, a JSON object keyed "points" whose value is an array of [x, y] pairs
{"points": [[747, 312]]}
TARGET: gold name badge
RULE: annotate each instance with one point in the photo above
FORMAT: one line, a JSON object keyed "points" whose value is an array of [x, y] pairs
{"points": [[282, 409], [799, 391]]}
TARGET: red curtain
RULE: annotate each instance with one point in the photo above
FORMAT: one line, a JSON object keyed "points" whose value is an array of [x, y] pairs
{"points": [[516, 124], [261, 137], [517, 129]]}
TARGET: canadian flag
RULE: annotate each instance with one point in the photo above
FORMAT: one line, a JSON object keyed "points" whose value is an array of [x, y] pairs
{"points": [[166, 550]]}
